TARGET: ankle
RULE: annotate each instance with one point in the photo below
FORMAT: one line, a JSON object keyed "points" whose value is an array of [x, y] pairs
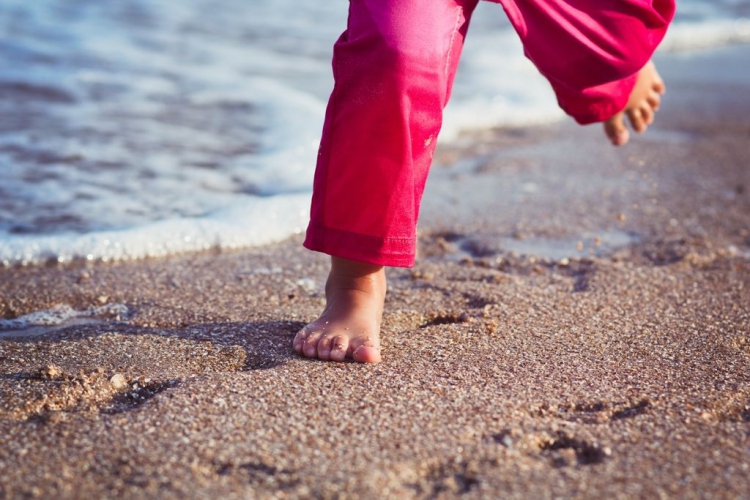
{"points": [[353, 268], [349, 275]]}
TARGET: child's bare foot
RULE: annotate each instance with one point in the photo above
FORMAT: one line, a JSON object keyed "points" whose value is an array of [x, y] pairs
{"points": [[350, 324], [643, 103]]}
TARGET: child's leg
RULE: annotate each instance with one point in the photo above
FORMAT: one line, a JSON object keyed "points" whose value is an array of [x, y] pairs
{"points": [[596, 56], [393, 68]]}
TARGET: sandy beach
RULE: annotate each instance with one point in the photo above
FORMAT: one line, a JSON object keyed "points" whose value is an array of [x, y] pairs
{"points": [[577, 326]]}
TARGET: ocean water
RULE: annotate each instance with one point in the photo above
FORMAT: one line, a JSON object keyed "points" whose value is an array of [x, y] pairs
{"points": [[134, 128]]}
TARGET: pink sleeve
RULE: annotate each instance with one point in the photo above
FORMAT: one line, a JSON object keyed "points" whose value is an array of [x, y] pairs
{"points": [[590, 50]]}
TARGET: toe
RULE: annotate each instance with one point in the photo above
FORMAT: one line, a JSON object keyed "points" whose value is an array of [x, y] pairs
{"points": [[366, 354], [339, 346], [299, 339], [636, 120], [658, 85], [654, 100], [324, 347], [647, 114], [616, 131], [364, 350], [310, 346]]}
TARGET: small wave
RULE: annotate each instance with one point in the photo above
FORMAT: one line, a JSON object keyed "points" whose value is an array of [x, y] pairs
{"points": [[691, 36], [61, 314], [12, 90], [256, 221]]}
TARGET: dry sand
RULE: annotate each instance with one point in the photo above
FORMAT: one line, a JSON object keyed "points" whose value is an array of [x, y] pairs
{"points": [[616, 366]]}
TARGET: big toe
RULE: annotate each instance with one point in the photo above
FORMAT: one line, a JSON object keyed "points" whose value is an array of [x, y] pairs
{"points": [[616, 130], [366, 354]]}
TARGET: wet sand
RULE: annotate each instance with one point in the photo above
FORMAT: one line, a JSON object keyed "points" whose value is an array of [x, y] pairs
{"points": [[577, 325]]}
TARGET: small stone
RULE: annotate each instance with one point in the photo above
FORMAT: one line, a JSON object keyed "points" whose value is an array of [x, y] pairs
{"points": [[118, 381], [420, 275], [564, 457], [102, 299], [563, 262], [54, 417], [50, 372], [84, 276], [622, 217], [446, 245], [306, 284], [450, 484]]}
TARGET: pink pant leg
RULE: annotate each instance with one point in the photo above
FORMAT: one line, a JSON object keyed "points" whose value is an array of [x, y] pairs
{"points": [[393, 70], [590, 50]]}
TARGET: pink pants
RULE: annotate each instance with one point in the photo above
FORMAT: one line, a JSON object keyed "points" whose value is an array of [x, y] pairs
{"points": [[393, 70]]}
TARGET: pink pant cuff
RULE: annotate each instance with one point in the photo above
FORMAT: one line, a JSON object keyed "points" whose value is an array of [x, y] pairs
{"points": [[392, 252]]}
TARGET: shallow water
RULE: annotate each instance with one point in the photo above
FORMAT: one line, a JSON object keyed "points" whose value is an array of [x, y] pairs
{"points": [[59, 317], [588, 244], [134, 128]]}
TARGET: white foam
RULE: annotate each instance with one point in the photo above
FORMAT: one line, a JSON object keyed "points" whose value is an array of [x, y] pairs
{"points": [[61, 314], [257, 221], [496, 85], [714, 33], [290, 143]]}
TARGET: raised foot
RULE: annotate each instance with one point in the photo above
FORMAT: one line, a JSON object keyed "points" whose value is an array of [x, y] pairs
{"points": [[642, 105], [349, 326]]}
